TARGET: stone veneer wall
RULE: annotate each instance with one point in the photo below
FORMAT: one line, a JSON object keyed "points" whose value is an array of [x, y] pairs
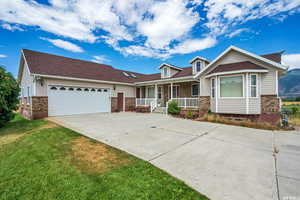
{"points": [[204, 105], [129, 103], [270, 104], [39, 107], [270, 109], [114, 104], [36, 109]]}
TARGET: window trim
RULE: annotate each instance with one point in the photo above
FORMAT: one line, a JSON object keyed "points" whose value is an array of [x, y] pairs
{"points": [[211, 88], [243, 87], [250, 85], [198, 90]]}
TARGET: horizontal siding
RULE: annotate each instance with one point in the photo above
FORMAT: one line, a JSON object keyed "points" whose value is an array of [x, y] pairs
{"points": [[268, 83], [254, 105], [234, 106], [212, 105]]}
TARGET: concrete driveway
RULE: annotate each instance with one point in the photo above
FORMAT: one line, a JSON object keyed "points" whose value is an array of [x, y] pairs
{"points": [[220, 161]]}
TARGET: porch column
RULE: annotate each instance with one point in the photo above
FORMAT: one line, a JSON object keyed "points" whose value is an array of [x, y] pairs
{"points": [[155, 91], [171, 90], [141, 92]]}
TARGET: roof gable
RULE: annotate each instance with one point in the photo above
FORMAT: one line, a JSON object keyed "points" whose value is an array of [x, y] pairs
{"points": [[241, 51]]}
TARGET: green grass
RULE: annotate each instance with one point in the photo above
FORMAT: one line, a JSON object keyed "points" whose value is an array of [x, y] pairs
{"points": [[40, 165]]}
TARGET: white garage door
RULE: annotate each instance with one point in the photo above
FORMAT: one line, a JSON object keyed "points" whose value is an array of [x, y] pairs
{"points": [[63, 100]]}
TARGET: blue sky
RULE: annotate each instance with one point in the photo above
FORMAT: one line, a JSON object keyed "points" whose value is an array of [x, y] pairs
{"points": [[139, 35]]}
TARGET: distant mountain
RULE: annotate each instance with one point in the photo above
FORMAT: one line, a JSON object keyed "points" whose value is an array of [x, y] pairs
{"points": [[289, 84]]}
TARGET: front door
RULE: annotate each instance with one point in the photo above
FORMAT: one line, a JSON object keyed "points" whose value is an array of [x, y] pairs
{"points": [[120, 101]]}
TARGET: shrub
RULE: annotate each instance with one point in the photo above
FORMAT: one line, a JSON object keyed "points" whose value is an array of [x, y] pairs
{"points": [[9, 92], [189, 115], [173, 108], [294, 109]]}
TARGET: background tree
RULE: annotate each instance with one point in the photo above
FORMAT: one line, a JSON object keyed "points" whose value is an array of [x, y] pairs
{"points": [[9, 93]]}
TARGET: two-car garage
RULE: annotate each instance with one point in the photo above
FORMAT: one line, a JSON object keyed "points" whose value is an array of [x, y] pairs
{"points": [[68, 100]]}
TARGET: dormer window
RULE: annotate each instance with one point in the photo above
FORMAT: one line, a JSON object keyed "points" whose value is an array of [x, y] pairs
{"points": [[198, 66], [165, 72]]}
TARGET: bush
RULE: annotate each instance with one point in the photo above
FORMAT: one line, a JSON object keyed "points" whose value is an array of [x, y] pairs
{"points": [[295, 110], [189, 115], [9, 92], [173, 108]]}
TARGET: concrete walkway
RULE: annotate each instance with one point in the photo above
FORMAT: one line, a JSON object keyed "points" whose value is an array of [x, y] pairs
{"points": [[220, 161]]}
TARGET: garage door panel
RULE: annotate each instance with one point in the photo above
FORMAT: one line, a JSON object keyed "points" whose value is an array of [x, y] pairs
{"points": [[66, 102]]}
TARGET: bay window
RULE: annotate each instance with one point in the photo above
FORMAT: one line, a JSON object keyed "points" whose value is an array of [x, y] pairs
{"points": [[231, 86], [253, 85]]}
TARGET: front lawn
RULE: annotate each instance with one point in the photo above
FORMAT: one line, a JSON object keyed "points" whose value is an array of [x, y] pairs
{"points": [[40, 160]]}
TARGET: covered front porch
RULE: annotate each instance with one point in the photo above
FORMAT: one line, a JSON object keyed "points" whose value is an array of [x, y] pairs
{"points": [[159, 94]]}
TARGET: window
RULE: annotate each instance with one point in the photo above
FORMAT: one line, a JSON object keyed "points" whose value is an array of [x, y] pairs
{"points": [[62, 88], [213, 88], [150, 92], [86, 89], [198, 66], [99, 90], [105, 90], [253, 85], [175, 91], [28, 95], [133, 75], [159, 93], [195, 90], [78, 89], [93, 90], [126, 74], [165, 72], [53, 88], [231, 86], [71, 89]]}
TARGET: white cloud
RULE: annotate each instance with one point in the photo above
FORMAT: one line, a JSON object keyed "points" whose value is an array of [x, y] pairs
{"points": [[291, 60], [3, 56], [11, 27], [237, 32], [100, 59], [223, 14], [170, 20], [150, 27], [64, 45], [193, 45]]}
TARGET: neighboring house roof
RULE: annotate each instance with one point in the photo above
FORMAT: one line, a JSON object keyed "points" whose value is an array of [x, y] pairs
{"points": [[246, 65], [260, 58]]}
